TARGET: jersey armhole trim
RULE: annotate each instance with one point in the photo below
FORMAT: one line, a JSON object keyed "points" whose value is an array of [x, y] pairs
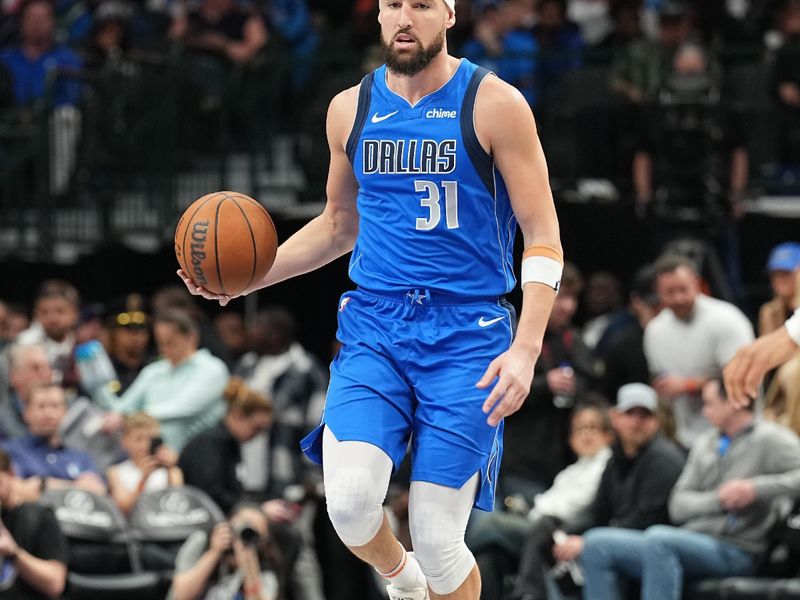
{"points": [[481, 160], [364, 98]]}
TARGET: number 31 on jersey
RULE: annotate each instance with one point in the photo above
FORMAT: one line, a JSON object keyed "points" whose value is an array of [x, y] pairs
{"points": [[432, 202]]}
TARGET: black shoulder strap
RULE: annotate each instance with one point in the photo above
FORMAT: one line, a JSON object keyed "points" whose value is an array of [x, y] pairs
{"points": [[481, 160], [364, 97]]}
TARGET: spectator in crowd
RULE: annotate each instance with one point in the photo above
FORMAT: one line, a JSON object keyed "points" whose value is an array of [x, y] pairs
{"points": [[602, 303], [641, 70], [497, 541], [560, 43], [4, 339], [536, 440], [90, 324], [500, 45], [689, 342], [39, 458], [783, 265], [593, 17], [623, 360], [173, 296], [221, 28], [279, 368], [238, 560], [55, 314], [676, 158], [183, 390], [17, 320], [626, 29], [31, 544], [722, 506], [229, 326], [786, 85], [109, 36], [636, 484], [38, 54], [151, 465], [28, 367], [211, 461], [128, 339]]}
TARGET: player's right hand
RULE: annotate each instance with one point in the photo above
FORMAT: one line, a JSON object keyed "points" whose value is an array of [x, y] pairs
{"points": [[196, 290]]}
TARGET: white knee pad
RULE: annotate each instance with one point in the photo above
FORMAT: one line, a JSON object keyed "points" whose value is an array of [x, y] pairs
{"points": [[438, 518], [356, 479]]}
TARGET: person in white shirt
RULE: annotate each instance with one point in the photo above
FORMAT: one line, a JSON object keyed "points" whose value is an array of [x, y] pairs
{"points": [[151, 465], [689, 342], [503, 535]]}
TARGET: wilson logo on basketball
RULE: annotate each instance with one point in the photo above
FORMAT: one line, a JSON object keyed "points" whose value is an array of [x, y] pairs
{"points": [[198, 254]]}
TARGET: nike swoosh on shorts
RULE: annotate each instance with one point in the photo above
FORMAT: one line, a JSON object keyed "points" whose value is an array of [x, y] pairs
{"points": [[482, 322]]}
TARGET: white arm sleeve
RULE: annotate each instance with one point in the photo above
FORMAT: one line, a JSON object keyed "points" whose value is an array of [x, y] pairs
{"points": [[793, 327]]}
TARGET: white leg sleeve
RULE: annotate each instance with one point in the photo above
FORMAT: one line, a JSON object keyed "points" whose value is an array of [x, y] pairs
{"points": [[438, 518], [356, 476]]}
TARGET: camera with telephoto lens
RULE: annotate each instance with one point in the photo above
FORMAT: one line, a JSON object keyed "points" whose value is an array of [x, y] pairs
{"points": [[248, 536]]}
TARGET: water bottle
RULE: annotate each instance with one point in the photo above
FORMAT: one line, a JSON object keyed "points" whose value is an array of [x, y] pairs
{"points": [[564, 400], [94, 366]]}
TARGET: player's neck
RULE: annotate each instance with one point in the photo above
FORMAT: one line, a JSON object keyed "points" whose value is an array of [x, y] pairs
{"points": [[430, 79]]}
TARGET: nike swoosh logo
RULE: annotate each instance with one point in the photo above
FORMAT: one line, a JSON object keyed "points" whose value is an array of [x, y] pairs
{"points": [[377, 119], [482, 322]]}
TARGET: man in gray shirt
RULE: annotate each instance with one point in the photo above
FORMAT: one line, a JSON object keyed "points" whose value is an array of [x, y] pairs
{"points": [[722, 503], [689, 342]]}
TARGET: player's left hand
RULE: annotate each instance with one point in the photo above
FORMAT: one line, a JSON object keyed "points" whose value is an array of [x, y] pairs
{"points": [[514, 370]]}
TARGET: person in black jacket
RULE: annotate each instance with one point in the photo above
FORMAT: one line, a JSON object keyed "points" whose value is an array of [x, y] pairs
{"points": [[635, 487], [211, 460]]}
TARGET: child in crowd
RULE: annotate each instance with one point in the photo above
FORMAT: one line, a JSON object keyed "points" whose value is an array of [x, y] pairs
{"points": [[151, 466]]}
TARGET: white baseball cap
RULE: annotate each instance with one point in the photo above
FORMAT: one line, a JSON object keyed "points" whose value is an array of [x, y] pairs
{"points": [[637, 395]]}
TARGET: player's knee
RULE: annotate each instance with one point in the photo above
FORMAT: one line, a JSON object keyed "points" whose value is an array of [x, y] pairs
{"points": [[440, 550], [355, 505]]}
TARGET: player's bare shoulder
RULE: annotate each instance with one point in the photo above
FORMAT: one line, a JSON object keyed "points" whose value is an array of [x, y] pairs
{"points": [[500, 109], [342, 114]]}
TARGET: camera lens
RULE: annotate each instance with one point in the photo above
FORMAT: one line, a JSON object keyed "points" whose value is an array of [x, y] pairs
{"points": [[248, 535]]}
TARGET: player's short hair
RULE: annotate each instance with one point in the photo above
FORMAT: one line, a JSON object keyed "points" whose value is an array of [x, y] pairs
{"points": [[671, 262], [58, 288], [180, 319], [139, 420], [571, 280], [245, 400]]}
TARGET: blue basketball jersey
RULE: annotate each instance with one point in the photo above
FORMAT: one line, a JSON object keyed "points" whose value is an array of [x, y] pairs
{"points": [[434, 211]]}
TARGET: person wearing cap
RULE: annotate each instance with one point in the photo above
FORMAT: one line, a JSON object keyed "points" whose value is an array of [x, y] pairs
{"points": [[782, 265], [128, 327], [721, 506], [637, 481]]}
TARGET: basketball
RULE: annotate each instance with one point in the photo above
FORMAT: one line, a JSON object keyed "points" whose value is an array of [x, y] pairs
{"points": [[225, 241]]}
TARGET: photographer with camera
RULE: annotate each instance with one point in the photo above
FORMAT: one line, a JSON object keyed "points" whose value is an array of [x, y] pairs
{"points": [[691, 168], [237, 560], [151, 465], [33, 552]]}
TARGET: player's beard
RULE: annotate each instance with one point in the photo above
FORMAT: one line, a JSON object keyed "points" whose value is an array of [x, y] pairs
{"points": [[414, 62]]}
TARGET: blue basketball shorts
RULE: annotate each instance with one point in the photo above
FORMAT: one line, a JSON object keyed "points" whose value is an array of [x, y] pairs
{"points": [[407, 369]]}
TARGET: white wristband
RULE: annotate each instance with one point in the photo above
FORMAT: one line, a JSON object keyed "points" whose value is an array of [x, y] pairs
{"points": [[793, 327], [541, 269]]}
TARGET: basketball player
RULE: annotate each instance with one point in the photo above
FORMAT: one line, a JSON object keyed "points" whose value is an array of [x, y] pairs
{"points": [[744, 373], [433, 160]]}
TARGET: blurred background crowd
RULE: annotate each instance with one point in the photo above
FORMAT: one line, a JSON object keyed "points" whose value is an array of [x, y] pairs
{"points": [[672, 132]]}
